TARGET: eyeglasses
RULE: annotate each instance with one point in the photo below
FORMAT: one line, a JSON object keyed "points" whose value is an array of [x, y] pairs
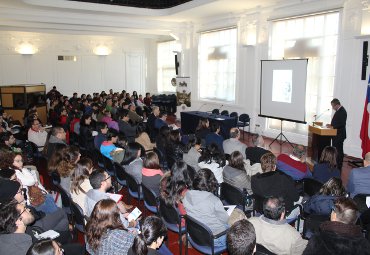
{"points": [[25, 209], [60, 249], [18, 160], [20, 191], [333, 208], [107, 178]]}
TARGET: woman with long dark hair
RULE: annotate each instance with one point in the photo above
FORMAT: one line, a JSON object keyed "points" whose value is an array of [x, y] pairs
{"points": [[105, 233], [213, 159], [323, 202], [80, 183], [204, 206], [132, 162], [153, 232], [235, 174], [202, 129], [327, 166], [151, 172]]}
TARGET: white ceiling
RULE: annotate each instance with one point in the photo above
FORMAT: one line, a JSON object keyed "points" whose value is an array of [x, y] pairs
{"points": [[60, 16]]}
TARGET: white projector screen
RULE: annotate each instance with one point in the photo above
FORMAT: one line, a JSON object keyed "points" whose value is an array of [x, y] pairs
{"points": [[283, 89]]}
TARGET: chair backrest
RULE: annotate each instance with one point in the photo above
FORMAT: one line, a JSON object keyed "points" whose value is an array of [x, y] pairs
{"points": [[232, 195], [66, 199], [311, 186], [244, 118], [78, 216], [109, 166], [234, 114], [55, 177], [132, 183], [120, 172], [149, 196], [199, 233], [258, 203], [216, 111], [360, 200], [168, 213], [225, 113], [161, 157]]}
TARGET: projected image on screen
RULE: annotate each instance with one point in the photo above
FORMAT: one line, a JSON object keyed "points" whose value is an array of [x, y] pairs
{"points": [[282, 86]]}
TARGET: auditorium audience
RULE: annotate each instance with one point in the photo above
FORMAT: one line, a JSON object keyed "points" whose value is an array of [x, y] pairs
{"points": [[151, 172], [102, 129], [14, 219], [192, 155], [132, 162], [202, 129], [86, 132], [204, 206], [57, 136], [294, 164], [323, 202], [215, 137], [233, 144], [105, 233], [37, 134], [255, 152], [80, 183], [359, 178], [125, 127], [213, 159], [153, 232], [274, 183], [235, 174], [273, 232], [327, 166], [101, 182], [340, 235], [241, 238], [142, 137]]}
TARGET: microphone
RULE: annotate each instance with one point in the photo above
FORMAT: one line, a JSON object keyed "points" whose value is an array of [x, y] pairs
{"points": [[220, 107], [201, 106], [318, 116]]}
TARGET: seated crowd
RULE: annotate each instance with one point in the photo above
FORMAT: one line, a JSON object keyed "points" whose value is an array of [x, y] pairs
{"points": [[185, 172]]}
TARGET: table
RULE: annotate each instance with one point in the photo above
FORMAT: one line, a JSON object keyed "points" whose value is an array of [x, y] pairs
{"points": [[190, 120]]}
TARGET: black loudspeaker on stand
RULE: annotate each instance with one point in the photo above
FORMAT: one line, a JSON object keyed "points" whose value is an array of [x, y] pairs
{"points": [[365, 60]]}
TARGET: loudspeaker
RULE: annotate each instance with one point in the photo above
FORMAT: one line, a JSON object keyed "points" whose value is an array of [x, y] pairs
{"points": [[177, 64], [365, 59]]}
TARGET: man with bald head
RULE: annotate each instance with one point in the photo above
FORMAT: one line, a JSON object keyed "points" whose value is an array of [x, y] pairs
{"points": [[359, 178], [233, 144]]}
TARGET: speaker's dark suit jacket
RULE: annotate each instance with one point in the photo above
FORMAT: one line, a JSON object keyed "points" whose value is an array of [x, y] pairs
{"points": [[339, 122]]}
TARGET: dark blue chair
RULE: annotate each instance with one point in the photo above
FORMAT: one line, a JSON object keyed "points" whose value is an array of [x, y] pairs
{"points": [[201, 237], [134, 188], [172, 220], [150, 200]]}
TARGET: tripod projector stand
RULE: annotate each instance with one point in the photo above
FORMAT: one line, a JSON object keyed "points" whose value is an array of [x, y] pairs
{"points": [[281, 135]]}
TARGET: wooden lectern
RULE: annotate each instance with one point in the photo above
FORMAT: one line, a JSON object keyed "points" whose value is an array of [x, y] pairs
{"points": [[318, 138]]}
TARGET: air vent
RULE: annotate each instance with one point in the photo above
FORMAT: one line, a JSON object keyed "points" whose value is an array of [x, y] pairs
{"points": [[67, 58]]}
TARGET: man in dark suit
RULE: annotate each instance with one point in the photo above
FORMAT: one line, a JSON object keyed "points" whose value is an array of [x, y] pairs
{"points": [[255, 153], [339, 122]]}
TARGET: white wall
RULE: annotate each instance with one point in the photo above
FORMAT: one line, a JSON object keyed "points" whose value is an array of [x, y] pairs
{"points": [[348, 86], [125, 68]]}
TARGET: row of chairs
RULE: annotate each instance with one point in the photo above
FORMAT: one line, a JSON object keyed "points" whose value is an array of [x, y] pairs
{"points": [[241, 121]]}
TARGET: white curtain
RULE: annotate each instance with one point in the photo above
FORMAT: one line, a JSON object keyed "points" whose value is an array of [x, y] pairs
{"points": [[314, 37], [217, 65]]}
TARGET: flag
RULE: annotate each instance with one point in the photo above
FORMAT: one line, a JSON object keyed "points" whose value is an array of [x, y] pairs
{"points": [[365, 132]]}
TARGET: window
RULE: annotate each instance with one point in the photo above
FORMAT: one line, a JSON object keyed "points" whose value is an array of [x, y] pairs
{"points": [[314, 37], [217, 65], [166, 65]]}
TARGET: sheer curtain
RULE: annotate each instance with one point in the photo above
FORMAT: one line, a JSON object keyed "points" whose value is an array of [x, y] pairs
{"points": [[166, 65], [217, 65], [314, 37]]}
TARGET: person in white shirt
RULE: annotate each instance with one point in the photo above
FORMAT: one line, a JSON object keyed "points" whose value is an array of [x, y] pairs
{"points": [[37, 134]]}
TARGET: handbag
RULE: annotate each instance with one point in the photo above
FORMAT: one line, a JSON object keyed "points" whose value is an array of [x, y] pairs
{"points": [[36, 196]]}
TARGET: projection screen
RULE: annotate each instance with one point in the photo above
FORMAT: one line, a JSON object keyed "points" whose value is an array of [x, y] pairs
{"points": [[283, 89]]}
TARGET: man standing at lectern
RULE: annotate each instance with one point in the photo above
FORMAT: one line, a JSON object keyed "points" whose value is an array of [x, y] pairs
{"points": [[339, 123]]}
